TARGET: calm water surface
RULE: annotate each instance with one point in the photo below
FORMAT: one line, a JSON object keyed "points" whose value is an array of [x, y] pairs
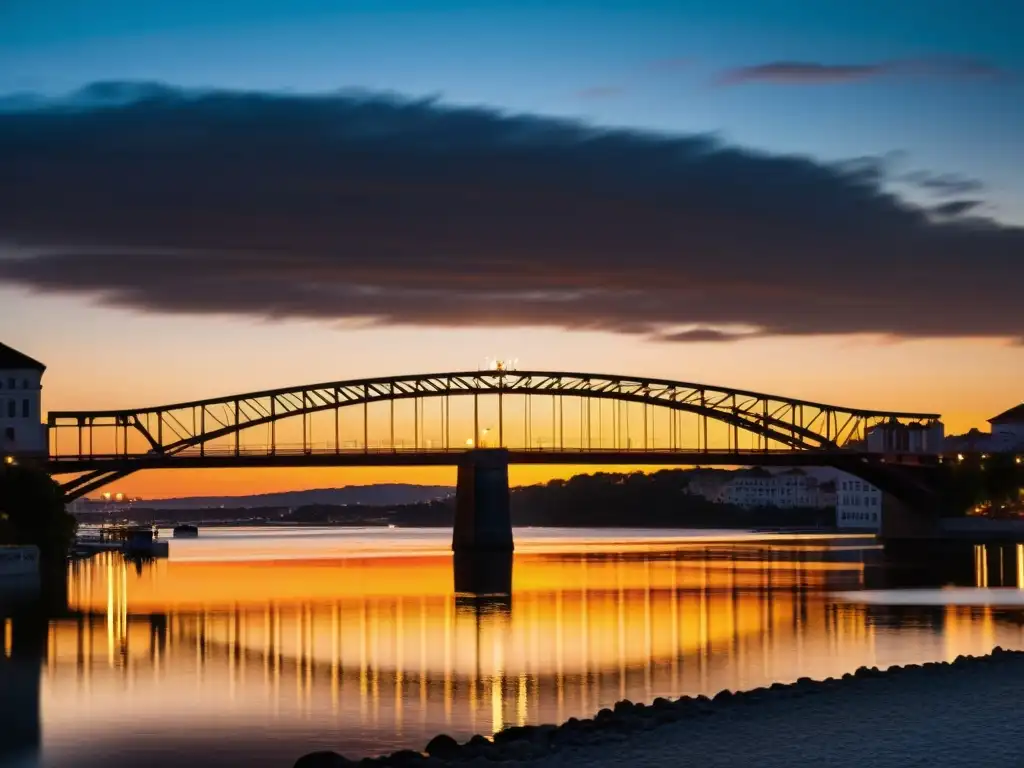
{"points": [[254, 646]]}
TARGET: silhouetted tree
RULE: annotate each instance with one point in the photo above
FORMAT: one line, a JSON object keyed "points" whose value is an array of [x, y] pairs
{"points": [[657, 500], [32, 511]]}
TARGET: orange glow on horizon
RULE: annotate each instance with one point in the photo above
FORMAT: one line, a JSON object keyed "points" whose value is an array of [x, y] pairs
{"points": [[966, 380]]}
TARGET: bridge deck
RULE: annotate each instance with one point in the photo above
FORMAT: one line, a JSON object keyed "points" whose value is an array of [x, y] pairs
{"points": [[263, 457]]}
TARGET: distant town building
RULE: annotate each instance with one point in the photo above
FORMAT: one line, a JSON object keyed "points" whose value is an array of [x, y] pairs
{"points": [[917, 437], [21, 389], [1008, 426], [827, 493], [858, 504], [792, 489], [1007, 434]]}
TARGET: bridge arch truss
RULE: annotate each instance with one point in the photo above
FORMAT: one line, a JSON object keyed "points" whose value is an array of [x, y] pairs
{"points": [[216, 425]]}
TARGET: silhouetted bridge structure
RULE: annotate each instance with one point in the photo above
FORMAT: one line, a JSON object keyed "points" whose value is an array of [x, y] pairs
{"points": [[519, 417]]}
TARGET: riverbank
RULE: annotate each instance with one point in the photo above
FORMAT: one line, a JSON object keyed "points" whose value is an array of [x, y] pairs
{"points": [[937, 714]]}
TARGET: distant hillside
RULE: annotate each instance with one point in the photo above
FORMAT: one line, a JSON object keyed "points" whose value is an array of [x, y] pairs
{"points": [[369, 495]]}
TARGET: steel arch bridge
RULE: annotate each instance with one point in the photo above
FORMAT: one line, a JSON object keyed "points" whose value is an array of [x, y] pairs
{"points": [[107, 445]]}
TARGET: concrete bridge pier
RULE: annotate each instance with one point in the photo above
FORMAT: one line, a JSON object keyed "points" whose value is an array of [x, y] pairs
{"points": [[483, 521]]}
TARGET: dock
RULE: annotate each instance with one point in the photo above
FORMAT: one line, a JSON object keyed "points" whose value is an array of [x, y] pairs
{"points": [[129, 540]]}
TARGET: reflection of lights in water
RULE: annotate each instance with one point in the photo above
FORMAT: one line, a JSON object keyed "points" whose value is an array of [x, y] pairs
{"points": [[335, 659], [383, 644], [522, 704], [1020, 566]]}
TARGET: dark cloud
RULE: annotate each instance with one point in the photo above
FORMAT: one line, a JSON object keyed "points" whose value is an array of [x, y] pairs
{"points": [[378, 210], [944, 184], [956, 207], [704, 334], [809, 72]]}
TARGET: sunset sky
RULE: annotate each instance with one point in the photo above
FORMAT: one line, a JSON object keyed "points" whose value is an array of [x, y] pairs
{"points": [[819, 200]]}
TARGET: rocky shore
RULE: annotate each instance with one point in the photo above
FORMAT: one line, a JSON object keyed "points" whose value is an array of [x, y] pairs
{"points": [[936, 714]]}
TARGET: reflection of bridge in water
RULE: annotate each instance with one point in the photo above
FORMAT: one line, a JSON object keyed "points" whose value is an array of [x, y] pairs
{"points": [[613, 629], [384, 650]]}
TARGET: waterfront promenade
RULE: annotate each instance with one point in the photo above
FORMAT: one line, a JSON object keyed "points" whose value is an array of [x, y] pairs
{"points": [[933, 715]]}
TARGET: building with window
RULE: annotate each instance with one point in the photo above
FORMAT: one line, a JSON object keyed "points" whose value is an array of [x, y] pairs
{"points": [[894, 437], [757, 487], [1006, 435], [21, 430], [1008, 428], [858, 504]]}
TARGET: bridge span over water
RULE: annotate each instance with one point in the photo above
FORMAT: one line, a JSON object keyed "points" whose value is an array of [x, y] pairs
{"points": [[479, 421]]}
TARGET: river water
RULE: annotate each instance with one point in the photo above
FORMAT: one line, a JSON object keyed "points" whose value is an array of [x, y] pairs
{"points": [[254, 646]]}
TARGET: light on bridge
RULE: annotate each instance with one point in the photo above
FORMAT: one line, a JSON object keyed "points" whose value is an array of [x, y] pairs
{"points": [[502, 365], [8, 460]]}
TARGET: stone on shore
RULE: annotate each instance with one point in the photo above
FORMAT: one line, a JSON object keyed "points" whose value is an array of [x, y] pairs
{"points": [[442, 746], [623, 729], [323, 760]]}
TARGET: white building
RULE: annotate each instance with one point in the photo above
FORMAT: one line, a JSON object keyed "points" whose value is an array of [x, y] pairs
{"points": [[1008, 427], [858, 504], [1007, 435], [21, 430], [793, 488], [918, 437]]}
